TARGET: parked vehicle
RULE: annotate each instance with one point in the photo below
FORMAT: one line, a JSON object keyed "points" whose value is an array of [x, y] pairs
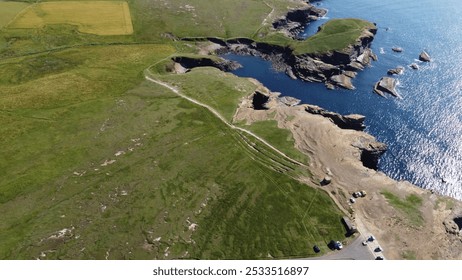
{"points": [[316, 249]]}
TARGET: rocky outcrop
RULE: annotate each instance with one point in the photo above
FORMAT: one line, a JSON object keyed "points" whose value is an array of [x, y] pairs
{"points": [[396, 71], [342, 80], [397, 49], [260, 100], [452, 227], [386, 85], [192, 62], [295, 21], [425, 57], [414, 66], [353, 121], [289, 101], [370, 152], [332, 67]]}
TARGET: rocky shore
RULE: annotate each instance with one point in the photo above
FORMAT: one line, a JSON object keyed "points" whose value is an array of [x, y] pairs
{"points": [[333, 68], [347, 157]]}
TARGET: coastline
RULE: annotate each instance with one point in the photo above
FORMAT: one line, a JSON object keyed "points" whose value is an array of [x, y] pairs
{"points": [[336, 152]]}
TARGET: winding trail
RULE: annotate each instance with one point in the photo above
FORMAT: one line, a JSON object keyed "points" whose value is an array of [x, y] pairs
{"points": [[218, 115]]}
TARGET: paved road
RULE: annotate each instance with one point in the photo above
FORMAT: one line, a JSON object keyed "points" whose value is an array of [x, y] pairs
{"points": [[354, 251]]}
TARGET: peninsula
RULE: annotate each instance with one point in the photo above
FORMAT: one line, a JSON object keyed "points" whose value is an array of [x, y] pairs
{"points": [[125, 138]]}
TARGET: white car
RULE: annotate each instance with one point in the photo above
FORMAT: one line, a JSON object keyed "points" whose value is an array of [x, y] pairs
{"points": [[338, 245]]}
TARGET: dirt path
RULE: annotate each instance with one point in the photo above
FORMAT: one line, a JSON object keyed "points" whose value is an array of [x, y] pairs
{"points": [[218, 115]]}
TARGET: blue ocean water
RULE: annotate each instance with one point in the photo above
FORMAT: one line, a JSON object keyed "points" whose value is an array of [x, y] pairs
{"points": [[423, 129]]}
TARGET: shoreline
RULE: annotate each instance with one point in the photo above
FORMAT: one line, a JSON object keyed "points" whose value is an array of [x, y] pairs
{"points": [[335, 152]]}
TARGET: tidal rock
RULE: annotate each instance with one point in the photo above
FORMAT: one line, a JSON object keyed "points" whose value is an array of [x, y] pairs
{"points": [[397, 49], [353, 121], [350, 74], [355, 66], [396, 71], [425, 57], [414, 66], [342, 80], [388, 85]]}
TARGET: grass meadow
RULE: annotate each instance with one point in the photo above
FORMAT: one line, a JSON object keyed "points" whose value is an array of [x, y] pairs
{"points": [[98, 163], [94, 17]]}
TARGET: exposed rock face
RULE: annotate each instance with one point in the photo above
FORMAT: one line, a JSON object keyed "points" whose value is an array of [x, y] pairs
{"points": [[396, 71], [386, 85], [222, 64], [259, 101], [289, 101], [452, 227], [342, 80], [371, 152], [330, 67], [295, 21], [353, 121], [425, 57], [334, 68]]}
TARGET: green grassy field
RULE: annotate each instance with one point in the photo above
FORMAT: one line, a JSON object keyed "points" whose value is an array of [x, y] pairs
{"points": [[8, 10], [61, 193], [94, 17], [410, 207], [98, 163], [336, 34], [278, 137]]}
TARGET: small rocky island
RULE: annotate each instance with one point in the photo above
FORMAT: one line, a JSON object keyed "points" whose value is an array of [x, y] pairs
{"points": [[386, 85]]}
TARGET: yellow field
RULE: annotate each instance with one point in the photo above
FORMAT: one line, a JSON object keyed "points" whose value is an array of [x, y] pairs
{"points": [[8, 10], [94, 17]]}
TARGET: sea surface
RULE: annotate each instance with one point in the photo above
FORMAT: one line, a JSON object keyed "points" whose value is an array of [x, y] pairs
{"points": [[423, 130]]}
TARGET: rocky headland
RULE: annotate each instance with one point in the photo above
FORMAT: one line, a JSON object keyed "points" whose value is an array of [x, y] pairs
{"points": [[347, 156], [335, 68]]}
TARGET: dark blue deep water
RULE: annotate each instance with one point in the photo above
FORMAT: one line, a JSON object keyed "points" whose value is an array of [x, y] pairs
{"points": [[424, 129]]}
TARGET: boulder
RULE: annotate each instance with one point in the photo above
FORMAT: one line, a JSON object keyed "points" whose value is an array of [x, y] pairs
{"points": [[425, 57], [397, 49], [388, 85], [396, 71], [414, 66]]}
